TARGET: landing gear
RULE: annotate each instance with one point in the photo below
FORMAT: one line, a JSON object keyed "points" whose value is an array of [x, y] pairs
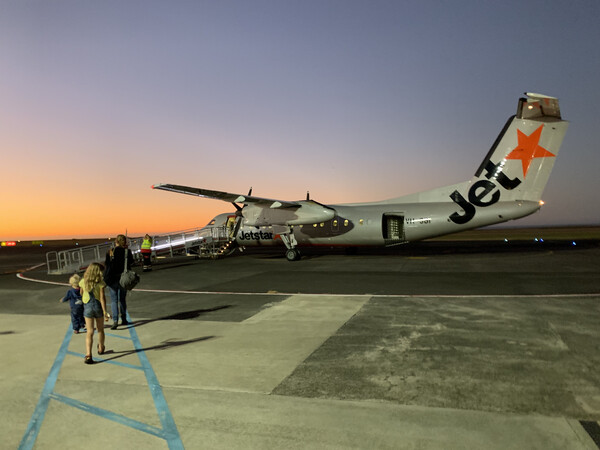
{"points": [[292, 254]]}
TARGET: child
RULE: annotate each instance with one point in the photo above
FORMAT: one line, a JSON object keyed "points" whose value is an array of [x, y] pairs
{"points": [[74, 298], [94, 308]]}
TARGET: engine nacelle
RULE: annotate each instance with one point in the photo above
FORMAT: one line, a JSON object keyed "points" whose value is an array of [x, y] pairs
{"points": [[307, 213]]}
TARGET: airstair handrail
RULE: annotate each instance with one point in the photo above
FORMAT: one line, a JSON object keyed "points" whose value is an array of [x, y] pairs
{"points": [[206, 241]]}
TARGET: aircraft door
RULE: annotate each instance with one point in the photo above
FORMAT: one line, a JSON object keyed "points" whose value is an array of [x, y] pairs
{"points": [[393, 228]]}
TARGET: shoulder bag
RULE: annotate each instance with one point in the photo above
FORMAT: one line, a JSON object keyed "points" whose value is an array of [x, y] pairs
{"points": [[129, 279]]}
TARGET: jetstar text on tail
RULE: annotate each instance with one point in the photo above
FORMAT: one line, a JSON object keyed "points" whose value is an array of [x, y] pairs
{"points": [[480, 190]]}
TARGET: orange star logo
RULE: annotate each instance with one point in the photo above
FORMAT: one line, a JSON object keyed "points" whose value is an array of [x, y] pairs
{"points": [[528, 147]]}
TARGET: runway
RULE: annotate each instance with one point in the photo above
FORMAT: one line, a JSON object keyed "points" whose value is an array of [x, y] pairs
{"points": [[440, 346]]}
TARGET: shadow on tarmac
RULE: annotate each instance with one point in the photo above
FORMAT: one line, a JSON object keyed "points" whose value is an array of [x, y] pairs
{"points": [[169, 343], [164, 345], [185, 315]]}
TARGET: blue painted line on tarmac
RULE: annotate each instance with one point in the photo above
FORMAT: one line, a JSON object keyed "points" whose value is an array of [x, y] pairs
{"points": [[169, 430], [118, 336], [35, 423], [105, 414], [97, 359], [164, 413]]}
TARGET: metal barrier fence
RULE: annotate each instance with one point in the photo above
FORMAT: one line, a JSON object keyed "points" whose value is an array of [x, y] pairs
{"points": [[77, 259]]}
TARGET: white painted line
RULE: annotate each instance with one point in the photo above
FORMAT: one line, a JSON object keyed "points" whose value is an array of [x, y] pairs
{"points": [[287, 294], [23, 277]]}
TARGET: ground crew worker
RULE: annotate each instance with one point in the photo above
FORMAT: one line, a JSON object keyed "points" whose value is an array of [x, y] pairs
{"points": [[147, 253], [231, 226]]}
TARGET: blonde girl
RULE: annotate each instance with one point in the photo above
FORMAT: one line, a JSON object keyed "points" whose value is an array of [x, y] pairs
{"points": [[94, 308]]}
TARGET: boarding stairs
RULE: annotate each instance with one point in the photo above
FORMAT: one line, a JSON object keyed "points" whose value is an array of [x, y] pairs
{"points": [[207, 242]]}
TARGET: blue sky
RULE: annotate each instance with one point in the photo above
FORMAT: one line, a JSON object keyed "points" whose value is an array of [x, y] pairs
{"points": [[352, 100]]}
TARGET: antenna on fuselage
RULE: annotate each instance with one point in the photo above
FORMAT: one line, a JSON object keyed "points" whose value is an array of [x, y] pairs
{"points": [[307, 195], [250, 191]]}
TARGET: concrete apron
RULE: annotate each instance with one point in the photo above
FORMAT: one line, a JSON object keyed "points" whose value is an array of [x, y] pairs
{"points": [[216, 378]]}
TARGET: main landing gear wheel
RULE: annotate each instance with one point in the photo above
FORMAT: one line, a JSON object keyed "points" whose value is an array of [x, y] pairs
{"points": [[292, 254]]}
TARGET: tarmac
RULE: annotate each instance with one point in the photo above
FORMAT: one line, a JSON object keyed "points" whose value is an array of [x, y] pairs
{"points": [[434, 346]]}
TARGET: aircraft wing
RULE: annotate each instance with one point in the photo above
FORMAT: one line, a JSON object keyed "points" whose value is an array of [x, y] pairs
{"points": [[226, 196]]}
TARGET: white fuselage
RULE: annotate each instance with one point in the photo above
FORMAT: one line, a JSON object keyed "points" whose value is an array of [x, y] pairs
{"points": [[380, 224]]}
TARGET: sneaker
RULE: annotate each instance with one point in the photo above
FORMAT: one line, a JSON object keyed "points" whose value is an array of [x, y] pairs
{"points": [[125, 322], [114, 326], [75, 331]]}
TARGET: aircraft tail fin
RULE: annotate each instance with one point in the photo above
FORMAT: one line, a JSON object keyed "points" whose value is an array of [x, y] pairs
{"points": [[515, 171], [522, 157], [516, 168]]}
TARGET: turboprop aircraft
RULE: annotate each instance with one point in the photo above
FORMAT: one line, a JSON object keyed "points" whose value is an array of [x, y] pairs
{"points": [[507, 185]]}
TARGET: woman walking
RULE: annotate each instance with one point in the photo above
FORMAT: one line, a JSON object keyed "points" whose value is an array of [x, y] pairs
{"points": [[115, 264], [94, 308]]}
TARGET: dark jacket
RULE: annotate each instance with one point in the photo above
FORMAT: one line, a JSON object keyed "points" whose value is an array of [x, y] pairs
{"points": [[74, 298], [114, 265]]}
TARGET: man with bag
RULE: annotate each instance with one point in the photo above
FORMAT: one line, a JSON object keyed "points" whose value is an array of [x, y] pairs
{"points": [[115, 270]]}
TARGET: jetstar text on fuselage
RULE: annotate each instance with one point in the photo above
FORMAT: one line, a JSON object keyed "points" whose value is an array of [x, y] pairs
{"points": [[255, 235]]}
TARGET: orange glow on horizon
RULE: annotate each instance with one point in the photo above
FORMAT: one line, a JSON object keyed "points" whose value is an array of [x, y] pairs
{"points": [[61, 221]]}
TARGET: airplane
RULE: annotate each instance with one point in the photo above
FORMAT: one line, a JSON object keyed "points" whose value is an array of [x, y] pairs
{"points": [[507, 185]]}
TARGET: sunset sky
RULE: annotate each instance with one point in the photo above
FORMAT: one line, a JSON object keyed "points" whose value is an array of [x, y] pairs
{"points": [[350, 100]]}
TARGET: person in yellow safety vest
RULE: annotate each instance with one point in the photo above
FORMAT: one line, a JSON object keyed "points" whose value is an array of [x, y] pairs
{"points": [[231, 226], [147, 253]]}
